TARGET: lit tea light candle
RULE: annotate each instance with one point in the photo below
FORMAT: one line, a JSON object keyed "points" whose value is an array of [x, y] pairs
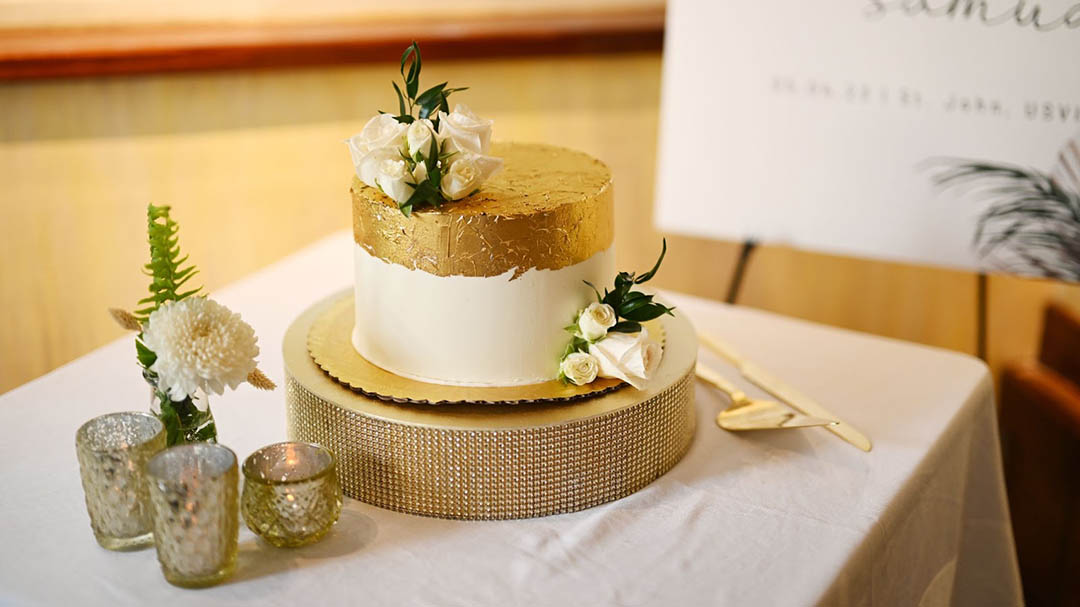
{"points": [[291, 495]]}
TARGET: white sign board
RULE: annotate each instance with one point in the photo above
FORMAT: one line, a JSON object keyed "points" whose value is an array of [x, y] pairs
{"points": [[821, 124]]}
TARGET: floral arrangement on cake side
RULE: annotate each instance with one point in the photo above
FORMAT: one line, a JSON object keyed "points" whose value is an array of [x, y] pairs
{"points": [[188, 344], [608, 338], [425, 155]]}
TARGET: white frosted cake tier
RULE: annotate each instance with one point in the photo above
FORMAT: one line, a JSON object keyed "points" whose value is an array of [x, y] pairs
{"points": [[470, 330]]}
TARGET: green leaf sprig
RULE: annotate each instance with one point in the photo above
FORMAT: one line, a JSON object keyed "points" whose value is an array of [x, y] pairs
{"points": [[166, 268], [633, 307], [427, 103]]}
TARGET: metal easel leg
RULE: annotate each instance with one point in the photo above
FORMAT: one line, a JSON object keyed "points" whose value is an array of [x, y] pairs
{"points": [[980, 315], [740, 270]]}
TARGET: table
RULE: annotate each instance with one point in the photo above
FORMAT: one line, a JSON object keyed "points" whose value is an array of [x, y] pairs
{"points": [[768, 518]]}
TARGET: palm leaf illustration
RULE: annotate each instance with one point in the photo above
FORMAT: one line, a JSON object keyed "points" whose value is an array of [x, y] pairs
{"points": [[1067, 169], [1032, 222]]}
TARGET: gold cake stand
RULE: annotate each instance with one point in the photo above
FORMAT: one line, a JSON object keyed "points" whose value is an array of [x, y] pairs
{"points": [[468, 461]]}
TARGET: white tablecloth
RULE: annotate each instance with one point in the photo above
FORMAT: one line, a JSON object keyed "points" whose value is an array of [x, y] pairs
{"points": [[778, 518]]}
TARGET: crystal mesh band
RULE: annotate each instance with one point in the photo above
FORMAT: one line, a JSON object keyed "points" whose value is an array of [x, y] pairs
{"points": [[499, 473]]}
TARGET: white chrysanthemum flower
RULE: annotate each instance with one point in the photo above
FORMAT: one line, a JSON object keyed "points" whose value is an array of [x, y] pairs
{"points": [[199, 344]]}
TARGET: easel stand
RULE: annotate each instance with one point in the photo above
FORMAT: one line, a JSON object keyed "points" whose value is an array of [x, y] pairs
{"points": [[740, 270], [980, 315]]}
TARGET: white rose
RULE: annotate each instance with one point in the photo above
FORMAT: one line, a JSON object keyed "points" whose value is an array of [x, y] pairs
{"points": [[379, 132], [466, 173], [464, 131], [418, 138], [384, 168], [629, 357], [579, 368], [395, 180], [595, 320]]}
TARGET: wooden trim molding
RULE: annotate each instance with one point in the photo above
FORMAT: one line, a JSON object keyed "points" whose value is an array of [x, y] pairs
{"points": [[68, 52]]}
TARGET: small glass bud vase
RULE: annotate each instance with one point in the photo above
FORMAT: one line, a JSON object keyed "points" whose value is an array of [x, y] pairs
{"points": [[186, 421], [292, 495], [113, 450], [194, 500]]}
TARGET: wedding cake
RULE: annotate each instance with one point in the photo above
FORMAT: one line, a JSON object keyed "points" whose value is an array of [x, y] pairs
{"points": [[472, 257], [489, 362], [477, 292]]}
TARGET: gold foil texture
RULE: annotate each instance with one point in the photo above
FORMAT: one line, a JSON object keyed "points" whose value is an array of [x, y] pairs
{"points": [[548, 208]]}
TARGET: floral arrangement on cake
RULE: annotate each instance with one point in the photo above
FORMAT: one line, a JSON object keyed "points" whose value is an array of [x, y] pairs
{"points": [[188, 344], [608, 338], [425, 155]]}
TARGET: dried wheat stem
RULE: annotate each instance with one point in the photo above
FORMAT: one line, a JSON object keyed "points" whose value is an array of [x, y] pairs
{"points": [[259, 379], [125, 319]]}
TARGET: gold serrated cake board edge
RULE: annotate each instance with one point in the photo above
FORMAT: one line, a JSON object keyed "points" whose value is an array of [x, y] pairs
{"points": [[329, 344]]}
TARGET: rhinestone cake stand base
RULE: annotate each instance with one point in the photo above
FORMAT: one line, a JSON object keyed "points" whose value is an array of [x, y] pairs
{"points": [[494, 461]]}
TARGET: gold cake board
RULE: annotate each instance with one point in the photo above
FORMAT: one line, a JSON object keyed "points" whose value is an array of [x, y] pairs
{"points": [[488, 461]]}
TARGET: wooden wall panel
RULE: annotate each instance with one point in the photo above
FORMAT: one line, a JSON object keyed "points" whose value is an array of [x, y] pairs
{"points": [[254, 165], [41, 39]]}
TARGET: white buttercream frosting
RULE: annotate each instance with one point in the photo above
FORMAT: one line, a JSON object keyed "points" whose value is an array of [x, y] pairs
{"points": [[468, 330]]}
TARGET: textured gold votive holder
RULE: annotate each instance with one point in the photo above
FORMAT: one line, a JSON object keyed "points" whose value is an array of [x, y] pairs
{"points": [[194, 500], [113, 450], [291, 493]]}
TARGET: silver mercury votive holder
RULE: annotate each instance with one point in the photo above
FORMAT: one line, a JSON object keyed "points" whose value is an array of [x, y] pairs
{"points": [[113, 450], [194, 491]]}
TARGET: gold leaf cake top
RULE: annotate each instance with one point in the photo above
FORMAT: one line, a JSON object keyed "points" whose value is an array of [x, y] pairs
{"points": [[548, 208]]}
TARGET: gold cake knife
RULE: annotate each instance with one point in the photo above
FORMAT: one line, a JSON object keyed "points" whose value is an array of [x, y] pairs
{"points": [[773, 385], [747, 413]]}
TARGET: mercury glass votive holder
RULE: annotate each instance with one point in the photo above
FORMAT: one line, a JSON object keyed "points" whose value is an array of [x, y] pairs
{"points": [[113, 450], [194, 490], [292, 495]]}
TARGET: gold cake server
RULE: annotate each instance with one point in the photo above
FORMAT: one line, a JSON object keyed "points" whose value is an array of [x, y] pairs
{"points": [[773, 385], [746, 413]]}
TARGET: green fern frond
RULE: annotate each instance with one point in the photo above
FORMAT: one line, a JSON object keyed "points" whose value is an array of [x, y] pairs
{"points": [[166, 269]]}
